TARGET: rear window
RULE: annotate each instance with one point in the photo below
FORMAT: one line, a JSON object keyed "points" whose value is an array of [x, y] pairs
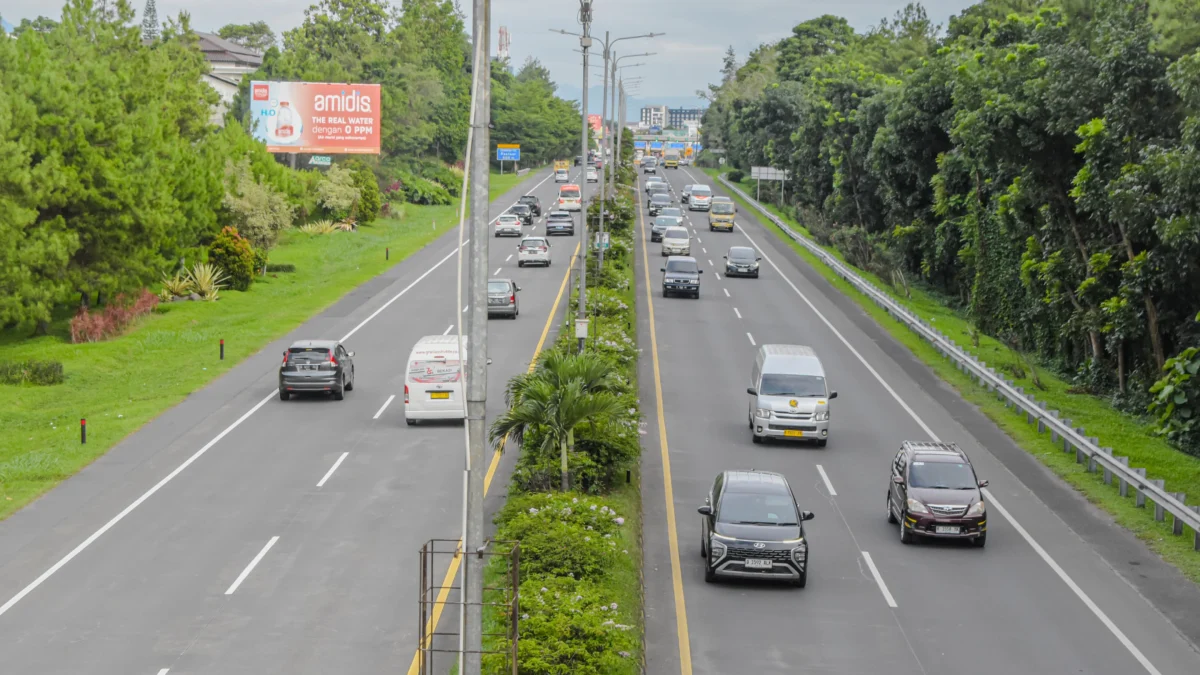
{"points": [[308, 355], [559, 215], [534, 242], [434, 371], [497, 287], [528, 200]]}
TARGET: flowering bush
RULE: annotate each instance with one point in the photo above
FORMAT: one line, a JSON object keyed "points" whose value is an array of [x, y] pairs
{"points": [[89, 326]]}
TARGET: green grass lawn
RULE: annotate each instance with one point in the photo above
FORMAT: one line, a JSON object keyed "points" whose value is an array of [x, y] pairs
{"points": [[121, 384], [1127, 435]]}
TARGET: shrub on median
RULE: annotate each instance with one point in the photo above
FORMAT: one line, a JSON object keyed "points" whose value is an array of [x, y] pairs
{"points": [[32, 372]]}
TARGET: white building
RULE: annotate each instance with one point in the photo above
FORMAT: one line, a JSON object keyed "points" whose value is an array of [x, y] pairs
{"points": [[229, 62]]}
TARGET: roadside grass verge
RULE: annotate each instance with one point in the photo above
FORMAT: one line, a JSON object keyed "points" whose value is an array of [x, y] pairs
{"points": [[1126, 434], [121, 384]]}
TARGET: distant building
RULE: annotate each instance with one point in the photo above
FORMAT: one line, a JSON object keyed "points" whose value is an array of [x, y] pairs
{"points": [[655, 115], [229, 62], [662, 116]]}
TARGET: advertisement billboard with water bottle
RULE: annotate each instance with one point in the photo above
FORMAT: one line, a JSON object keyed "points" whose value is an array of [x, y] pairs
{"points": [[310, 117]]}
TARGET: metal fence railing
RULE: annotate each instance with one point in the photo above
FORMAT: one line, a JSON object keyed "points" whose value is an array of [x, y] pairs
{"points": [[1087, 449]]}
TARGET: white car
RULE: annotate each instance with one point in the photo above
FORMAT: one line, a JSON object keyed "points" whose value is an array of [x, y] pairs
{"points": [[508, 225], [561, 177], [533, 251], [592, 177], [676, 241]]}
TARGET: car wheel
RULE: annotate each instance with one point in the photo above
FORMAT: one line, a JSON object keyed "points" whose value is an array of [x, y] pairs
{"points": [[696, 295], [709, 575], [340, 392], [802, 580], [284, 395], [906, 535], [410, 422], [756, 275], [666, 293], [520, 263], [703, 546], [980, 541], [890, 514], [350, 384], [822, 442], [756, 438]]}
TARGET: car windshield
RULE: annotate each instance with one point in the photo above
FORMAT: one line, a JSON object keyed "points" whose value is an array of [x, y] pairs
{"points": [[660, 198], [748, 508], [673, 212], [684, 266], [664, 221], [506, 218], [741, 253], [559, 216], [781, 384], [675, 233], [498, 286], [722, 208], [699, 191], [569, 194], [520, 208], [308, 355], [941, 475]]}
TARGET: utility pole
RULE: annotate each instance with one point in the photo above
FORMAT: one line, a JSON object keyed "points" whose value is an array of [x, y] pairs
{"points": [[610, 138], [585, 18], [477, 333], [604, 166]]}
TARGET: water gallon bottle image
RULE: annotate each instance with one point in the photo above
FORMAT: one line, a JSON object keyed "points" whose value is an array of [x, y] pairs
{"points": [[285, 122]]}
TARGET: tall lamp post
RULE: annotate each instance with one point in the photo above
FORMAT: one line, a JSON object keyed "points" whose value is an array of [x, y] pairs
{"points": [[619, 113]]}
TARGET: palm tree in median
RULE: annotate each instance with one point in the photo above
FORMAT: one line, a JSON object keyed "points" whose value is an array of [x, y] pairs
{"points": [[561, 394]]}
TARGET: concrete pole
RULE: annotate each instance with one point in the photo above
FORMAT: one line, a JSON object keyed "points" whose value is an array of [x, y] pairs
{"points": [[581, 314], [603, 117], [477, 334], [620, 128], [608, 138]]}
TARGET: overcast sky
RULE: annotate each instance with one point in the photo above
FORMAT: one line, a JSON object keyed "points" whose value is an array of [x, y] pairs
{"points": [[687, 58]]}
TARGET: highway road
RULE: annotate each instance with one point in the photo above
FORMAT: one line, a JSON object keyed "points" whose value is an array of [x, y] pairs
{"points": [[1043, 597], [238, 533]]}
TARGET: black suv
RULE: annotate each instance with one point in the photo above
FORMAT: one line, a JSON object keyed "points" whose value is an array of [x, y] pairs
{"points": [[532, 202], [934, 493], [681, 275], [523, 212], [657, 202], [578, 160], [560, 222], [322, 366], [753, 529]]}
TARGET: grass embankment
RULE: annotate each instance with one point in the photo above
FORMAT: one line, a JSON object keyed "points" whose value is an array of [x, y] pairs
{"points": [[121, 384], [1126, 434]]}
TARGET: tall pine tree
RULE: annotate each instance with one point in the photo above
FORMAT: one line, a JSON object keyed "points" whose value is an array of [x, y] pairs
{"points": [[150, 29]]}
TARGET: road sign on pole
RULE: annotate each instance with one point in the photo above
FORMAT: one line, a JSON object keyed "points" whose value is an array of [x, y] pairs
{"points": [[508, 152]]}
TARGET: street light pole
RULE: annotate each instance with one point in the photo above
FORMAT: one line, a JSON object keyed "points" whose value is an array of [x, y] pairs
{"points": [[603, 160], [476, 366]]}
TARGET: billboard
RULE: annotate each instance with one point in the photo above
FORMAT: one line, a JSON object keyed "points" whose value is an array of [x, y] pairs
{"points": [[594, 122], [319, 118]]}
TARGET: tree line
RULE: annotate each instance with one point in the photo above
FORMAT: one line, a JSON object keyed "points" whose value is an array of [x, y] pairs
{"points": [[1036, 164], [112, 173]]}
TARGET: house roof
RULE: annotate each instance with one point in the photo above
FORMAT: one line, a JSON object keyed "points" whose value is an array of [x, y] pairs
{"points": [[219, 50]]}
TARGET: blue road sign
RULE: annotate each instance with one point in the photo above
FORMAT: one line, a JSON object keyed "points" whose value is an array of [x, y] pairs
{"points": [[656, 145], [508, 154], [639, 145], [696, 148], [675, 146]]}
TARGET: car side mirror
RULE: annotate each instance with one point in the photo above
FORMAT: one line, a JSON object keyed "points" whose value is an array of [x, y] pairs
{"points": [[489, 362], [898, 480], [757, 259], [983, 483], [752, 391], [705, 510], [832, 395], [518, 288], [662, 269], [701, 271], [725, 257], [806, 515], [351, 355]]}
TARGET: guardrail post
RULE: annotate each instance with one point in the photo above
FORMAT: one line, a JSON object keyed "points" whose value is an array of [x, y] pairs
{"points": [[1160, 514], [1053, 431], [1139, 497], [1041, 423], [1177, 524], [1092, 461], [1121, 486], [1196, 533]]}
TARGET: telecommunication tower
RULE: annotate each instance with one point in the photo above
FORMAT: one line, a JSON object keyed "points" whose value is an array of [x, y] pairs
{"points": [[504, 43]]}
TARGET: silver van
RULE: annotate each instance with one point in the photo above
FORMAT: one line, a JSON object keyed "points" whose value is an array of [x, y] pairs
{"points": [[789, 397]]}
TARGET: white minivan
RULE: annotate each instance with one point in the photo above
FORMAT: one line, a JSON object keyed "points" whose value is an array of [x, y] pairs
{"points": [[433, 381], [789, 397]]}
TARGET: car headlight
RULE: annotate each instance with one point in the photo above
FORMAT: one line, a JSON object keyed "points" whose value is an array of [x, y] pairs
{"points": [[762, 412], [716, 550], [800, 552], [915, 506], [821, 416], [976, 509]]}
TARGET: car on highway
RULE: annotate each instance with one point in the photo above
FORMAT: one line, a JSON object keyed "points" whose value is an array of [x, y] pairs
{"points": [[721, 213], [523, 212], [672, 212], [652, 181], [681, 275], [661, 224], [533, 203], [533, 251], [658, 191], [320, 366], [700, 198], [683, 195], [649, 165], [502, 298], [657, 202], [741, 261], [753, 528], [508, 225], [570, 198], [935, 493], [592, 176], [561, 176], [560, 222], [789, 396], [676, 241], [433, 382], [578, 160]]}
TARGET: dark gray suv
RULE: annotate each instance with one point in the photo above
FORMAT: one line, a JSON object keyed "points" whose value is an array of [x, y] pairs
{"points": [[322, 366], [753, 529]]}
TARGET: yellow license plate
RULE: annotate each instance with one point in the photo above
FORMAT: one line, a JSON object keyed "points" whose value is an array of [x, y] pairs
{"points": [[439, 394], [793, 433]]}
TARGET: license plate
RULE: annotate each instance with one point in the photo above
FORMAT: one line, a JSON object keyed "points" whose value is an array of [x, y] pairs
{"points": [[497, 301], [947, 529], [308, 367], [755, 564], [439, 395], [793, 433]]}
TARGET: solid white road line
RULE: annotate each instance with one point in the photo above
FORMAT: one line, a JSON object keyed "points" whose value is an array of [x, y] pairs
{"points": [[497, 272], [343, 457], [253, 563], [735, 311], [887, 595], [200, 453], [726, 292], [828, 484], [752, 339], [386, 403], [448, 329], [1087, 601]]}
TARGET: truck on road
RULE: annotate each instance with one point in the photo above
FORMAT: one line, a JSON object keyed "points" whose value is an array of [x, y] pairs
{"points": [[562, 165], [671, 159]]}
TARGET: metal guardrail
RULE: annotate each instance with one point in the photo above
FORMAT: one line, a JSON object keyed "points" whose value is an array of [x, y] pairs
{"points": [[1087, 449], [522, 172]]}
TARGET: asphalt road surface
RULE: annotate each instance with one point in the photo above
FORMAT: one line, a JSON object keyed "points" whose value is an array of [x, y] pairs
{"points": [[1057, 590], [238, 533]]}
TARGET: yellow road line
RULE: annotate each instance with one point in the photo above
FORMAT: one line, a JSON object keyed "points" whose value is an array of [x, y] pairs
{"points": [[452, 571], [685, 648]]}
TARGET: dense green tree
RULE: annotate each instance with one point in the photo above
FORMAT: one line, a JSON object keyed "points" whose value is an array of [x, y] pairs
{"points": [[257, 35]]}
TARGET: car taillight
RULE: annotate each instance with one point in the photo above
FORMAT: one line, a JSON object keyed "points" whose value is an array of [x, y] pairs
{"points": [[512, 298], [406, 394], [332, 361], [285, 355]]}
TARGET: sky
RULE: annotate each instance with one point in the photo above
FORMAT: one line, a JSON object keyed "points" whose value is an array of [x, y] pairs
{"points": [[686, 59]]}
